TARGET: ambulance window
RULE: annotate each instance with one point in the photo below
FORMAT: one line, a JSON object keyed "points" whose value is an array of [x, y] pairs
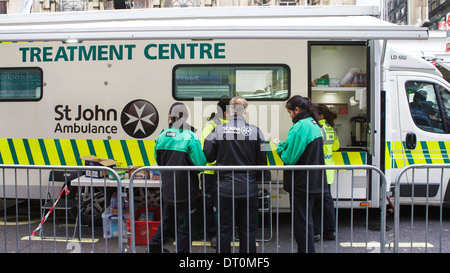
{"points": [[20, 84], [424, 106], [445, 97], [214, 82]]}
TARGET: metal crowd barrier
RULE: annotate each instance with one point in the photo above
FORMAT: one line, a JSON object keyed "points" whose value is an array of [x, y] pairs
{"points": [[273, 235], [25, 223], [262, 241], [425, 185]]}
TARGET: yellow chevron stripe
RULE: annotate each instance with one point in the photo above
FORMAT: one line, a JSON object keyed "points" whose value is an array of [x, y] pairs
{"points": [[387, 157], [397, 154], [135, 153], [100, 149], [20, 151], [150, 148], [447, 145], [435, 152], [36, 152], [83, 148], [9, 154], [119, 156], [355, 158], [417, 154], [338, 159], [276, 157], [52, 152], [431, 153], [6, 152], [67, 149]]}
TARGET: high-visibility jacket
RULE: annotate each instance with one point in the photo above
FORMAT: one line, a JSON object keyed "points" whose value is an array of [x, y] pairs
{"points": [[207, 129], [330, 144]]}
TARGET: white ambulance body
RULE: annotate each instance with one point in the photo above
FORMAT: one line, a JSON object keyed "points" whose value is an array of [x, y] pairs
{"points": [[101, 83]]}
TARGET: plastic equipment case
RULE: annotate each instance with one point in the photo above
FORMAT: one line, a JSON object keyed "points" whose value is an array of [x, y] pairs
{"points": [[111, 224]]}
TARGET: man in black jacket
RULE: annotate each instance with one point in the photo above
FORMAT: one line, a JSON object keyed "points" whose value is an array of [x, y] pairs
{"points": [[237, 143]]}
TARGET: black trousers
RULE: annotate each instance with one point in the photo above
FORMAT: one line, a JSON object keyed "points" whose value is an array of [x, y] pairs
{"points": [[329, 220], [167, 226], [245, 223], [303, 220], [210, 184]]}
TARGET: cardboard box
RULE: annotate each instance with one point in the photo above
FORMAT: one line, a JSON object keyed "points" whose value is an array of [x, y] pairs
{"points": [[92, 160], [145, 174]]}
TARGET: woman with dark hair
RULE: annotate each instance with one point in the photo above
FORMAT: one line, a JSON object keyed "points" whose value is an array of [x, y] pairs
{"points": [[303, 146], [177, 146], [330, 144]]}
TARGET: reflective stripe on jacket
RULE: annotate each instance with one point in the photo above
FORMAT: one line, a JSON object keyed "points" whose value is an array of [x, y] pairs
{"points": [[330, 144]]}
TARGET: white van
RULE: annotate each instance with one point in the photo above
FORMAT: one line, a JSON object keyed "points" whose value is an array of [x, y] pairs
{"points": [[101, 83]]}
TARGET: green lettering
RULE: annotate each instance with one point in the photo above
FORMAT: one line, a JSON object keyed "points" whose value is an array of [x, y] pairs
{"points": [[61, 53], [162, 51], [147, 53], [102, 51], [87, 55], [192, 51], [47, 54], [180, 52], [130, 51], [113, 52], [35, 51], [24, 53], [72, 52], [218, 50], [205, 49]]}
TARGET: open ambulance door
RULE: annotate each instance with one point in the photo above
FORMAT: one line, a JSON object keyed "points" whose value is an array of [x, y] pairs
{"points": [[339, 73], [424, 121]]}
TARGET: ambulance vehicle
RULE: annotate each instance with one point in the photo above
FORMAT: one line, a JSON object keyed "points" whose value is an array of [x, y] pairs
{"points": [[101, 83]]}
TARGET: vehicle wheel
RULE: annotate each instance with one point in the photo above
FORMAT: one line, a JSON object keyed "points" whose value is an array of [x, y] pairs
{"points": [[92, 203], [152, 197]]}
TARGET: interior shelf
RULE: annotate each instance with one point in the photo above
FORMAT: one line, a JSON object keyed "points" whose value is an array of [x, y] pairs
{"points": [[336, 89]]}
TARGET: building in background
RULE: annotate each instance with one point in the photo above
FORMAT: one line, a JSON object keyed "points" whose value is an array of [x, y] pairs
{"points": [[432, 13], [437, 12], [16, 6], [405, 12]]}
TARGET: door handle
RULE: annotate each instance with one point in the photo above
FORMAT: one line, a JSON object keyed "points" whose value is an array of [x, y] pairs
{"points": [[411, 141]]}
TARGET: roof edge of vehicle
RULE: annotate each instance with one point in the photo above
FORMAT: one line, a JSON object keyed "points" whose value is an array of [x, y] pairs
{"points": [[183, 13], [304, 22]]}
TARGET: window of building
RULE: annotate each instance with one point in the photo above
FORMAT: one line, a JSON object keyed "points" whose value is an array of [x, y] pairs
{"points": [[3, 7]]}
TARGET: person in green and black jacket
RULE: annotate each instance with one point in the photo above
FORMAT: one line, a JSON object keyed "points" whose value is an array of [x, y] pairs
{"points": [[303, 146], [177, 146]]}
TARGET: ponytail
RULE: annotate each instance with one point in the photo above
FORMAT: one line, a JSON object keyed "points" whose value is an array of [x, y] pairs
{"points": [[221, 109], [328, 115]]}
